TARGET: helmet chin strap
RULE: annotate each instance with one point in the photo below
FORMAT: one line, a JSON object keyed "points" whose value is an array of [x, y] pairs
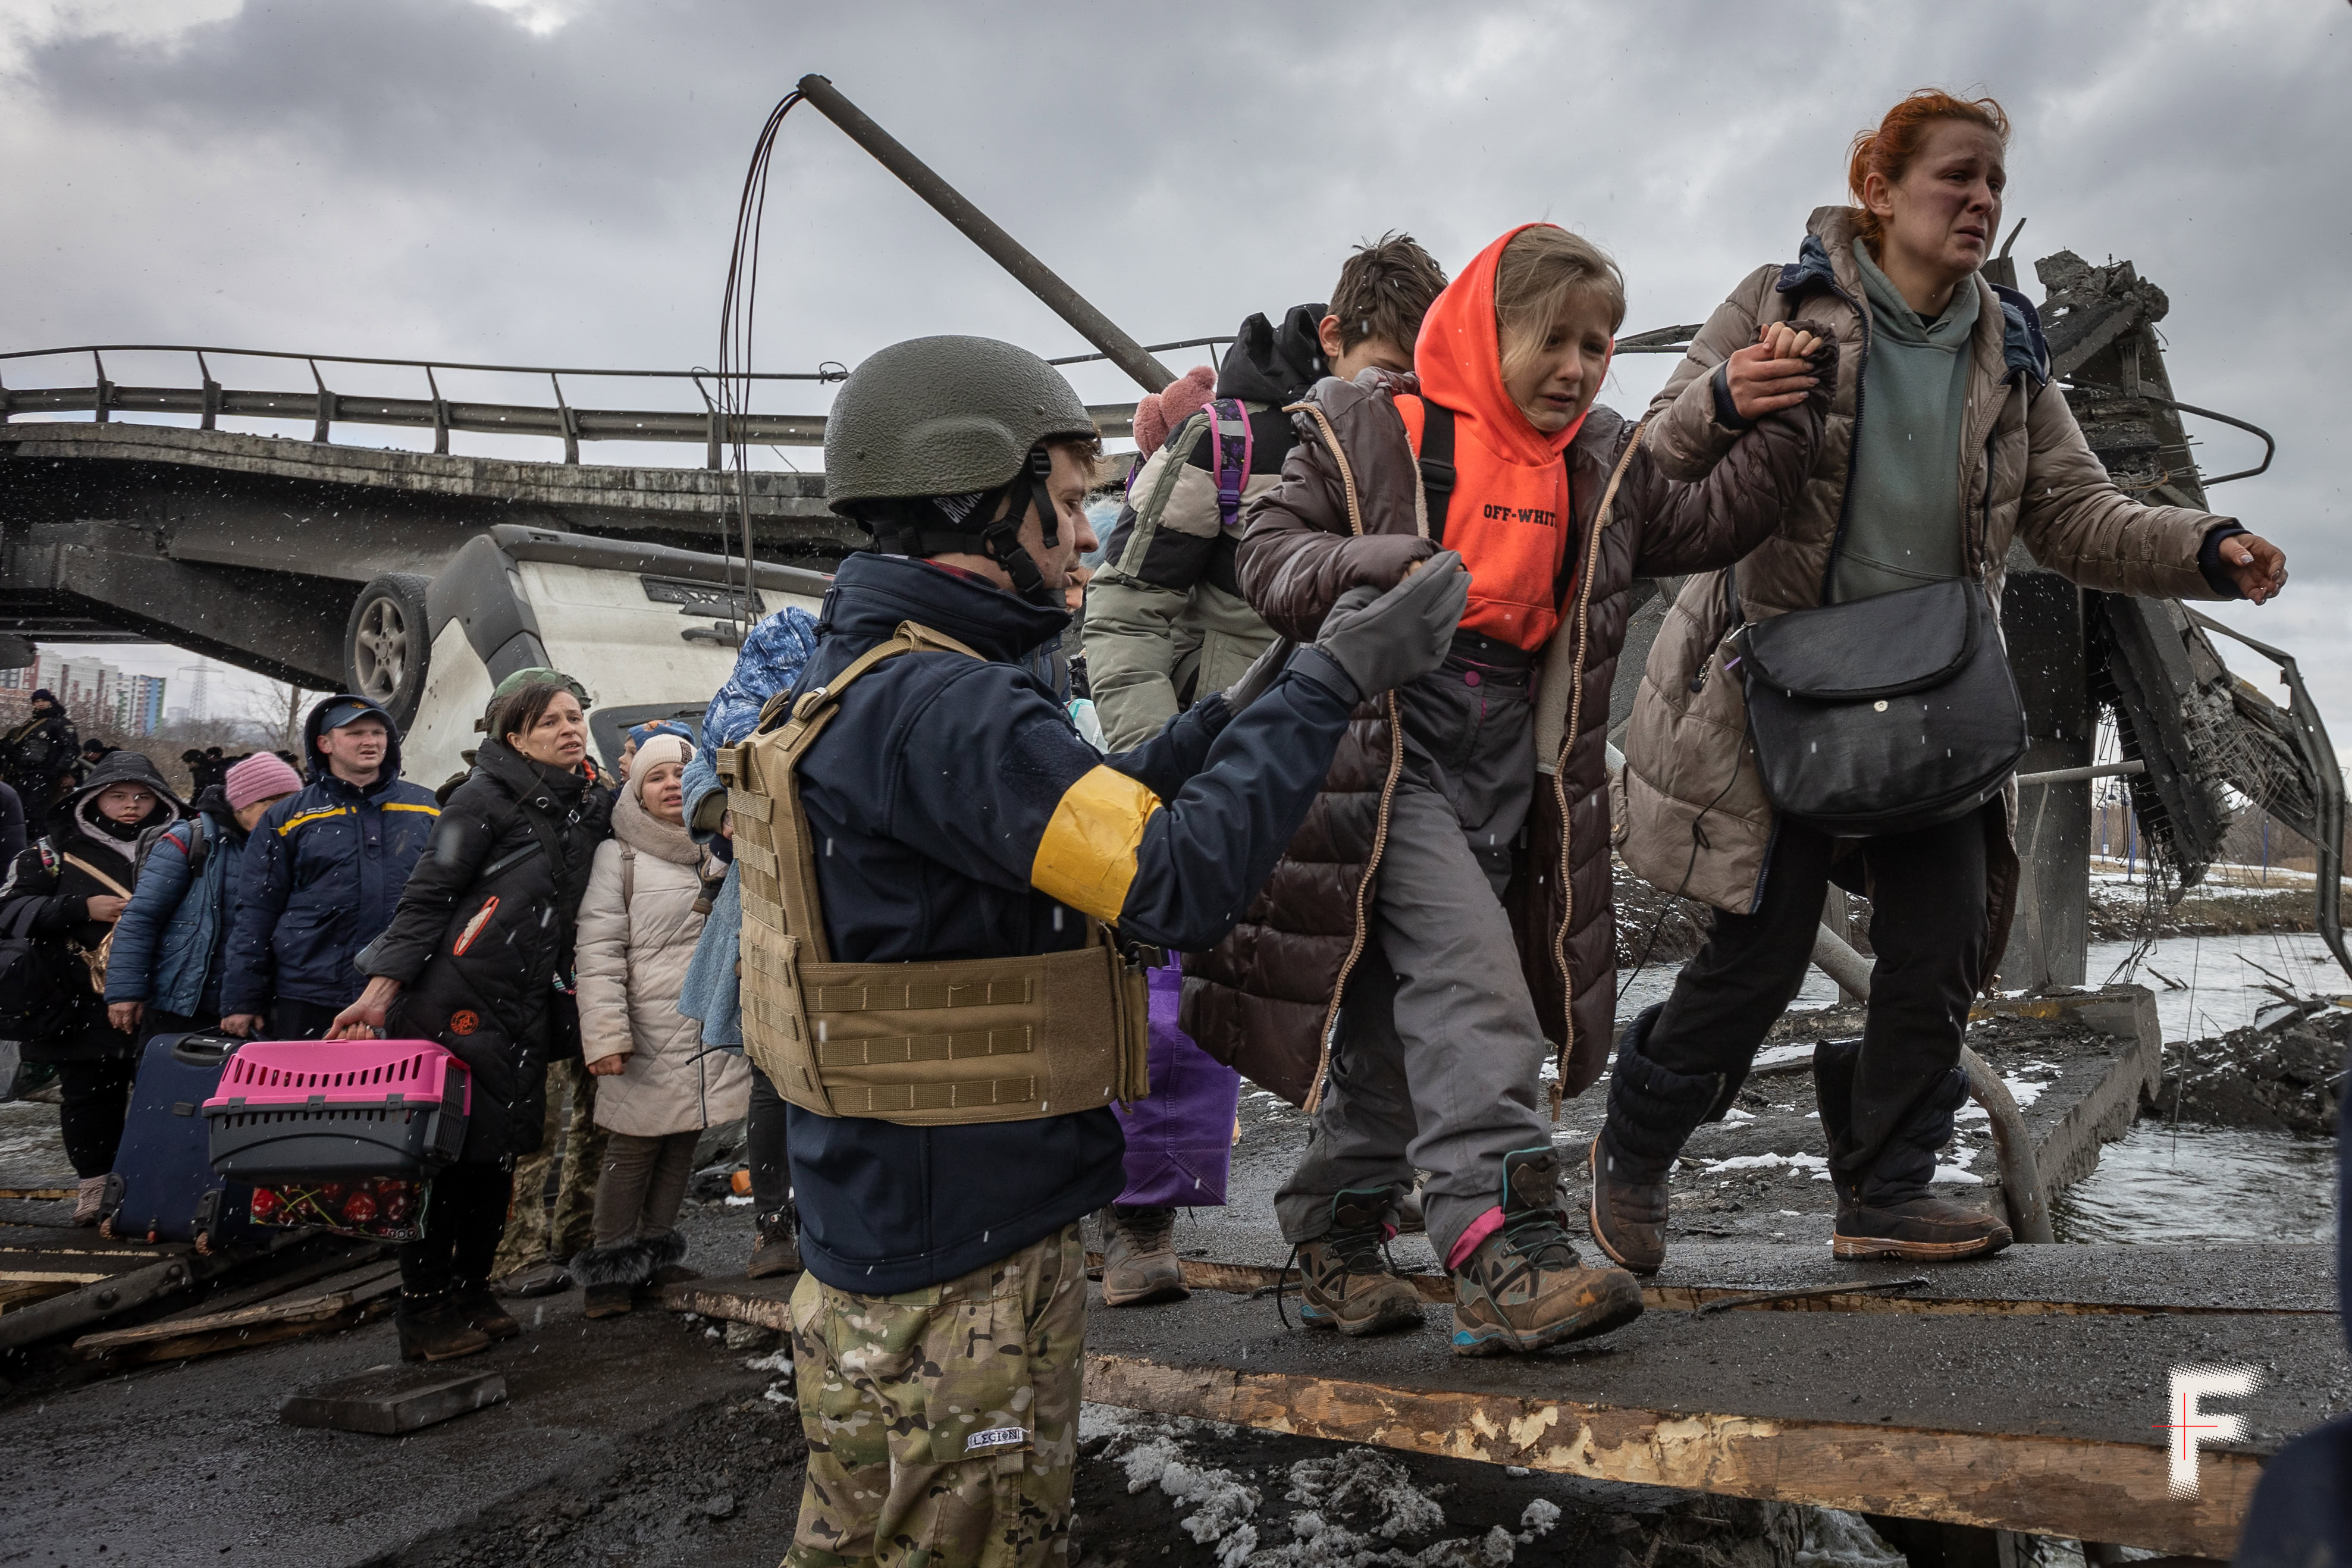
{"points": [[1002, 539]]}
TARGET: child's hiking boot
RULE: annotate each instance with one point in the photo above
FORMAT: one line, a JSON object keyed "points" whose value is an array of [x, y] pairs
{"points": [[775, 1244], [435, 1328], [1140, 1263], [1524, 1287], [1651, 1112], [1892, 1211], [1346, 1282]]}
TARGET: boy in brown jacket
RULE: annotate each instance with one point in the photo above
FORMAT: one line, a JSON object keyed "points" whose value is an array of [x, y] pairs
{"points": [[1381, 948]]}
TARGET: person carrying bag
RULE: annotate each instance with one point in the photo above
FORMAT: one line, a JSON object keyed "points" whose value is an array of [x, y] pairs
{"points": [[1842, 698]]}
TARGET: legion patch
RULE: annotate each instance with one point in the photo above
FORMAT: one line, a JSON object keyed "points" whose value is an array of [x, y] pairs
{"points": [[996, 1440]]}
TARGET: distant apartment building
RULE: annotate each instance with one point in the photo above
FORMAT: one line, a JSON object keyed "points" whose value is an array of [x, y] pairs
{"points": [[102, 700]]}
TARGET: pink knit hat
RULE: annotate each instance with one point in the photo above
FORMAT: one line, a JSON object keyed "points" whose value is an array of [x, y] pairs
{"points": [[1157, 413], [258, 777]]}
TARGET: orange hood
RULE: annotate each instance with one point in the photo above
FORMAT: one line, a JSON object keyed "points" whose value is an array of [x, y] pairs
{"points": [[1459, 360]]}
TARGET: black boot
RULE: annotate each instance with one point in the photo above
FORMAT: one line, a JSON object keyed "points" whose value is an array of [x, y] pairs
{"points": [[433, 1328], [1889, 1211], [775, 1244], [1652, 1112], [482, 1311]]}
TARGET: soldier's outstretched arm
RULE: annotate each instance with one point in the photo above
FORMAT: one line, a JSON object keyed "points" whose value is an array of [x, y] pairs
{"points": [[1179, 871], [1001, 786]]}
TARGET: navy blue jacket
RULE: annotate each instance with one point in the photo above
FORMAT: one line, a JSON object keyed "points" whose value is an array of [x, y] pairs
{"points": [[322, 877], [171, 943], [962, 818]]}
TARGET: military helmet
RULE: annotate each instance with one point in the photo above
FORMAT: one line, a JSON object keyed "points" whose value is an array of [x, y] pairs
{"points": [[942, 416], [937, 445]]}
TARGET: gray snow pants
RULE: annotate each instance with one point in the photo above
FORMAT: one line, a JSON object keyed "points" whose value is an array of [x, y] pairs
{"points": [[1436, 1063]]}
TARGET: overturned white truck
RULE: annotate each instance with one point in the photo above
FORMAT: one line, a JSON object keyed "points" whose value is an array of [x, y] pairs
{"points": [[650, 631]]}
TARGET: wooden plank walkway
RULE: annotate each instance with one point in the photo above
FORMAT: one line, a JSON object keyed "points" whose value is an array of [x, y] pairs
{"points": [[2027, 1392]]}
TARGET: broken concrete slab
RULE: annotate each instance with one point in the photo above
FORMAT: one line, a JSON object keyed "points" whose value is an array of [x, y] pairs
{"points": [[391, 1399]]}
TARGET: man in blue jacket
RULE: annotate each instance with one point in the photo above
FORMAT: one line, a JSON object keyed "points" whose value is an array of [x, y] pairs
{"points": [[952, 812], [322, 875]]}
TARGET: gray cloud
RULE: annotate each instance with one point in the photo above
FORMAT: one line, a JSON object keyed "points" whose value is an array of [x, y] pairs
{"points": [[434, 177]]}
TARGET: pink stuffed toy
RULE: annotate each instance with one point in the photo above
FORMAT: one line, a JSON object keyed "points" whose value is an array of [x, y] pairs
{"points": [[1157, 413]]}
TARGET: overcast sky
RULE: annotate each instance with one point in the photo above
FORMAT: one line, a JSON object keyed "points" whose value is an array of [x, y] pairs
{"points": [[554, 181]]}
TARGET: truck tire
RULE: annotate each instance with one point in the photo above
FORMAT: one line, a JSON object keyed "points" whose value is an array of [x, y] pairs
{"points": [[387, 642]]}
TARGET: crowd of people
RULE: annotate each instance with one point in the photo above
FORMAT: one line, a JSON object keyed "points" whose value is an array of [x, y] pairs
{"points": [[1324, 800]]}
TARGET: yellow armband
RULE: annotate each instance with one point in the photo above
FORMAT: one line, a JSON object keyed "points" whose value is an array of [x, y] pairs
{"points": [[1086, 858]]}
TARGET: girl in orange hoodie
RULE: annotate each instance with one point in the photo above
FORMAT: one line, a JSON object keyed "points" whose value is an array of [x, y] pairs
{"points": [[1378, 978]]}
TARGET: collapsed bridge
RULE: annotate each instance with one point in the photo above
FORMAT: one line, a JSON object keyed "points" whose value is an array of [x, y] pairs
{"points": [[302, 558]]}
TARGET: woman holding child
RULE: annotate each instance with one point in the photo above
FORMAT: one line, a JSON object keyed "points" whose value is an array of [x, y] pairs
{"points": [[1945, 442]]}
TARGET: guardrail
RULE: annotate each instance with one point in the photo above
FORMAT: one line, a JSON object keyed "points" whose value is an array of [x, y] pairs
{"points": [[322, 408]]}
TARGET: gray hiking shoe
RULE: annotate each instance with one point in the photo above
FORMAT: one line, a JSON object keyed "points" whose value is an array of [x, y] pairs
{"points": [[1346, 1282], [1140, 1263]]}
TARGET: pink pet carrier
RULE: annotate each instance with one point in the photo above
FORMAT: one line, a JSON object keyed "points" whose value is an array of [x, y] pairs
{"points": [[305, 1111]]}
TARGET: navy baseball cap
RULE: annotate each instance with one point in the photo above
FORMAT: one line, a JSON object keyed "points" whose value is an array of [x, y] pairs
{"points": [[342, 713]]}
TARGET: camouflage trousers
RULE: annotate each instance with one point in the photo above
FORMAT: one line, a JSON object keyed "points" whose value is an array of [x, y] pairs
{"points": [[943, 1424], [532, 1233]]}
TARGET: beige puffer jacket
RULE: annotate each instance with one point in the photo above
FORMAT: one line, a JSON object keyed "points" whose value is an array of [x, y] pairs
{"points": [[633, 955], [2027, 475]]}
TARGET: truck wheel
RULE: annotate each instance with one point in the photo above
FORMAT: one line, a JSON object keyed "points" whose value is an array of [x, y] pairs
{"points": [[387, 642]]}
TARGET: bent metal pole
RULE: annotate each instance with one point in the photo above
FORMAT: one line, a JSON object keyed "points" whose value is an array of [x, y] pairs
{"points": [[982, 230]]}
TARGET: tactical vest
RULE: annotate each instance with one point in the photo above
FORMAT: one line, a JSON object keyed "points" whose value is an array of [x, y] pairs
{"points": [[921, 1044]]}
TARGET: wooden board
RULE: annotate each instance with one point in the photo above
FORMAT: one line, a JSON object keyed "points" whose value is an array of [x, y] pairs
{"points": [[388, 1400], [350, 1300], [2043, 1485]]}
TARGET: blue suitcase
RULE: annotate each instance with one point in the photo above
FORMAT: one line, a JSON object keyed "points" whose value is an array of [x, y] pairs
{"points": [[163, 1187]]}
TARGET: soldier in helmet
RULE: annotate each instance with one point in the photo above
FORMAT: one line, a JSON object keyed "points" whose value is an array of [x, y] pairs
{"points": [[924, 798]]}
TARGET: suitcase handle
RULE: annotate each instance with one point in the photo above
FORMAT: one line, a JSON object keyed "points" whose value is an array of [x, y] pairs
{"points": [[205, 1050]]}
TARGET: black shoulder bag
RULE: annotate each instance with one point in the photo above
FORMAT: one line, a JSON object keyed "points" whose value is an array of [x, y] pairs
{"points": [[1884, 715]]}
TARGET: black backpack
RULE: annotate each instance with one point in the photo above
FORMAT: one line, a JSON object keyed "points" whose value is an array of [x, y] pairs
{"points": [[36, 983]]}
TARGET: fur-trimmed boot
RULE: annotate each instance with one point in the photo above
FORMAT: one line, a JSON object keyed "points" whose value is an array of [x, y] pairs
{"points": [[1652, 1113], [1890, 1211], [613, 1272], [665, 1251]]}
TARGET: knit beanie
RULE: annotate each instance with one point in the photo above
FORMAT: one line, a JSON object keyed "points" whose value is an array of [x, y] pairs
{"points": [[1157, 413], [258, 777], [660, 749]]}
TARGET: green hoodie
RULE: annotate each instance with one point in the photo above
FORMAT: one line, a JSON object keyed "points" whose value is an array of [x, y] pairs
{"points": [[1903, 525]]}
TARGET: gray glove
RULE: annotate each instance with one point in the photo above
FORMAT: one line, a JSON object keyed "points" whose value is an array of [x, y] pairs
{"points": [[1263, 672], [1389, 639]]}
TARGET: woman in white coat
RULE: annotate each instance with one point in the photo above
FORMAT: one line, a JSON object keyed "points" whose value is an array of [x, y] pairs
{"points": [[648, 894]]}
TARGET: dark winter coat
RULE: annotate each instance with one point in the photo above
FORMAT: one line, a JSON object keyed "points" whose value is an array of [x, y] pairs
{"points": [[482, 939], [12, 824], [320, 879], [38, 756], [933, 791], [171, 947], [46, 897], [1265, 1000]]}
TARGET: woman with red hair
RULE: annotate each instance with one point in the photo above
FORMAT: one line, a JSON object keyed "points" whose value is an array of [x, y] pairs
{"points": [[1945, 443]]}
